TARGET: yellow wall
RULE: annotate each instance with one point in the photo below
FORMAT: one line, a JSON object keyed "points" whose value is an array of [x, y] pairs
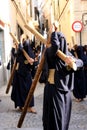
{"points": [[64, 19], [73, 12]]}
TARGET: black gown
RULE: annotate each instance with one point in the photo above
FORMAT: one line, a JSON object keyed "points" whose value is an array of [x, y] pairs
{"points": [[22, 79], [57, 98], [80, 88], [13, 55]]}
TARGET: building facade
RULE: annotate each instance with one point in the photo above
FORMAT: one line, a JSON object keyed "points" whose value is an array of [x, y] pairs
{"points": [[73, 11], [67, 12], [14, 14]]}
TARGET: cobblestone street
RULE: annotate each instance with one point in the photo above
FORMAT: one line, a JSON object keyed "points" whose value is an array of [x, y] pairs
{"points": [[9, 117]]}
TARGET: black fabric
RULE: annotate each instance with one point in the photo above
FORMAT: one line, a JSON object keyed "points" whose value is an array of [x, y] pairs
{"points": [[44, 74], [20, 89], [57, 99], [81, 55], [13, 56], [9, 66], [22, 79], [23, 67], [80, 88]]}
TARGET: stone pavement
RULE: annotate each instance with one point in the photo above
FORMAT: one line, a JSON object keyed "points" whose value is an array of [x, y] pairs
{"points": [[9, 117]]}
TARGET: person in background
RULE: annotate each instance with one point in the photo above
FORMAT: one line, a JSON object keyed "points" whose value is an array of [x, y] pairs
{"points": [[85, 49], [37, 52], [85, 65], [13, 53], [80, 88], [57, 101], [22, 79], [27, 39], [12, 57]]}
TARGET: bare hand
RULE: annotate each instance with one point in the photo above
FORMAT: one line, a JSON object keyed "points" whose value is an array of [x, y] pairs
{"points": [[31, 61], [69, 60]]}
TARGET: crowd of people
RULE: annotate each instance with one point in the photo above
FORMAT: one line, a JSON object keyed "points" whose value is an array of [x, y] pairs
{"points": [[60, 81]]}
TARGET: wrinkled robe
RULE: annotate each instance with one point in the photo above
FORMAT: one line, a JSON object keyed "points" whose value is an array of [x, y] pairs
{"points": [[57, 101], [22, 79], [80, 87]]}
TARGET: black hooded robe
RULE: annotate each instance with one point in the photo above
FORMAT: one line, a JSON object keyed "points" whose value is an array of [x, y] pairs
{"points": [[80, 88], [22, 79], [57, 101]]}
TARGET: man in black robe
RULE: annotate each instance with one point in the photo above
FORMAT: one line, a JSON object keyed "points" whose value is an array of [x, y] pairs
{"points": [[80, 88], [22, 79], [57, 101]]}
